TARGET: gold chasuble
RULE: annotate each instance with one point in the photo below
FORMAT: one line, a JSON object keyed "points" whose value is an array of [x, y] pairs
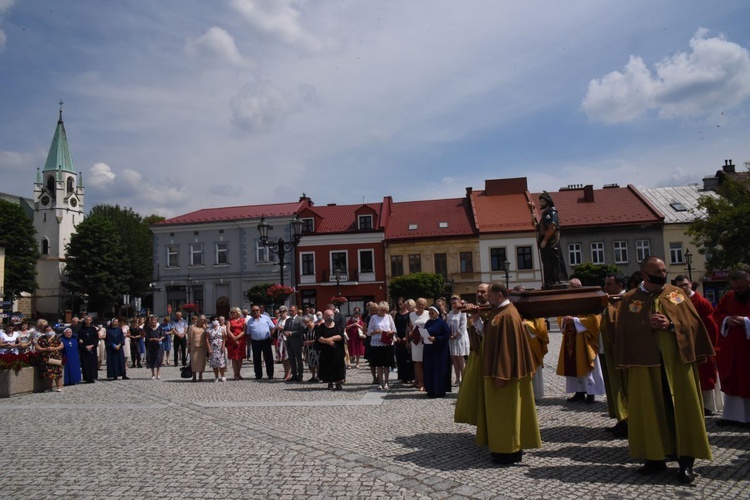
{"points": [[536, 330], [579, 350], [665, 405], [508, 423]]}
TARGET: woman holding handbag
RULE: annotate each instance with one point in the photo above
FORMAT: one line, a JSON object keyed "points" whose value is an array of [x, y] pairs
{"points": [[51, 348], [355, 329], [381, 330]]}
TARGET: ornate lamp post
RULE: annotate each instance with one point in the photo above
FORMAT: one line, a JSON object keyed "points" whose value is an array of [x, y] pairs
{"points": [[689, 261], [281, 248], [188, 293], [337, 277], [506, 268]]}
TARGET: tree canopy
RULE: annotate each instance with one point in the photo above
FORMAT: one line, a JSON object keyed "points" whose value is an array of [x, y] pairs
{"points": [[137, 244], [96, 264], [592, 274], [415, 285], [722, 234], [21, 250]]}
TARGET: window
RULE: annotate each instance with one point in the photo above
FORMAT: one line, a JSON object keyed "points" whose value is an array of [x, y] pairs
{"points": [[366, 261], [338, 261], [466, 260], [222, 253], [441, 264], [308, 264], [575, 256], [523, 258], [308, 225], [364, 221], [675, 253], [621, 252], [196, 254], [498, 256], [45, 246], [262, 255], [397, 265], [173, 256], [642, 249], [415, 263], [597, 252]]}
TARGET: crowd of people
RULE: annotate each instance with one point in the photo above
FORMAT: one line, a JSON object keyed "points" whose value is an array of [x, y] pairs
{"points": [[660, 352]]}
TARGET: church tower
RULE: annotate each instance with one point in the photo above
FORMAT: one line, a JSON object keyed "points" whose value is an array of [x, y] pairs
{"points": [[58, 209]]}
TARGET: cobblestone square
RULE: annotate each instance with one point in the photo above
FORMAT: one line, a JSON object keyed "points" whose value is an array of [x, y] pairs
{"points": [[144, 438]]}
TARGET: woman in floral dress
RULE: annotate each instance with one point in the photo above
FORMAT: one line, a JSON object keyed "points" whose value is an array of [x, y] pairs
{"points": [[50, 345], [217, 355]]}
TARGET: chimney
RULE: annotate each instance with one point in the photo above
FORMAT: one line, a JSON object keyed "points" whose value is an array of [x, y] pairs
{"points": [[588, 193], [728, 167]]}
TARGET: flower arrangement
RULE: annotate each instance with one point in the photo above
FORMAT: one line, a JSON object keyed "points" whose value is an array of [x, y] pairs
{"points": [[190, 307], [279, 293], [337, 300], [15, 362]]}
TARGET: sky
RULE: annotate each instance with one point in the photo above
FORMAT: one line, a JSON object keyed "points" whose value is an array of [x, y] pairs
{"points": [[176, 105]]}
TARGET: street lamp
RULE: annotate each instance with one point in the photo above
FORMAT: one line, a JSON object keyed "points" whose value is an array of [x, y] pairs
{"points": [[281, 248], [337, 277], [689, 260], [506, 268], [188, 293]]}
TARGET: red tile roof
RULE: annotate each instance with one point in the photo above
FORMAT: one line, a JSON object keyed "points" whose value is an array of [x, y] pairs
{"points": [[609, 206], [341, 218], [235, 213], [504, 213], [428, 215]]}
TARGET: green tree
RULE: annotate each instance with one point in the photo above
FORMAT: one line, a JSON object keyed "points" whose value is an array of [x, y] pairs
{"points": [[415, 285], [593, 274], [21, 251], [137, 245], [96, 264], [259, 294], [722, 234]]}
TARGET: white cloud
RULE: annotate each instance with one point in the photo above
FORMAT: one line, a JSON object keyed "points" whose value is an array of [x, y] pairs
{"points": [[100, 175], [216, 45], [278, 19], [259, 107], [711, 79], [5, 5]]}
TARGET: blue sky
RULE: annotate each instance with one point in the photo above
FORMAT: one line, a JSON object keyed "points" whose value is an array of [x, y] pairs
{"points": [[177, 105]]}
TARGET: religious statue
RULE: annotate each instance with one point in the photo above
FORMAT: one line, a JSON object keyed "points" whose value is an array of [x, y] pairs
{"points": [[548, 239]]}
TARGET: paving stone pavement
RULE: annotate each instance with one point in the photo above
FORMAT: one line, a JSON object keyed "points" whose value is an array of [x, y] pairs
{"points": [[144, 438]]}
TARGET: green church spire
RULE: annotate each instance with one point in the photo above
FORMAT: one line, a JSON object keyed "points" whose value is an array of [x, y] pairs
{"points": [[59, 157]]}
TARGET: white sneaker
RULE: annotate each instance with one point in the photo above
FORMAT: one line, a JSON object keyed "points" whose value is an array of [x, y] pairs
{"points": [[153, 377], [216, 380], [380, 387], [385, 387], [223, 379]]}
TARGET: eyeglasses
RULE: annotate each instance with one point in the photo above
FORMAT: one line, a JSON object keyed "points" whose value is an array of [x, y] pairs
{"points": [[256, 310]]}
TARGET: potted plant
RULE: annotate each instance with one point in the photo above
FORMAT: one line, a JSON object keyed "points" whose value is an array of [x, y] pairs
{"points": [[279, 293], [18, 373], [338, 300]]}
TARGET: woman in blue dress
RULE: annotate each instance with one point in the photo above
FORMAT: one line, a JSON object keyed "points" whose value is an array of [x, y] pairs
{"points": [[71, 361], [115, 354], [437, 356]]}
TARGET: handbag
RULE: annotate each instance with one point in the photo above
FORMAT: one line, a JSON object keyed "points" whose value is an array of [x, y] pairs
{"points": [[186, 372], [415, 336], [54, 362], [386, 338], [361, 333]]}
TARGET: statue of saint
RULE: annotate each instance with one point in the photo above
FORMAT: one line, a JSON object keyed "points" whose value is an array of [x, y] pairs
{"points": [[548, 239]]}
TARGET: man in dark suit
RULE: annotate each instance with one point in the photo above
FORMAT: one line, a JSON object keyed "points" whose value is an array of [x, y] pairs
{"points": [[293, 330]]}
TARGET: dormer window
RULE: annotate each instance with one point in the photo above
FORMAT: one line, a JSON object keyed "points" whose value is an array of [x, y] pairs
{"points": [[412, 227], [364, 222], [442, 225], [308, 225]]}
